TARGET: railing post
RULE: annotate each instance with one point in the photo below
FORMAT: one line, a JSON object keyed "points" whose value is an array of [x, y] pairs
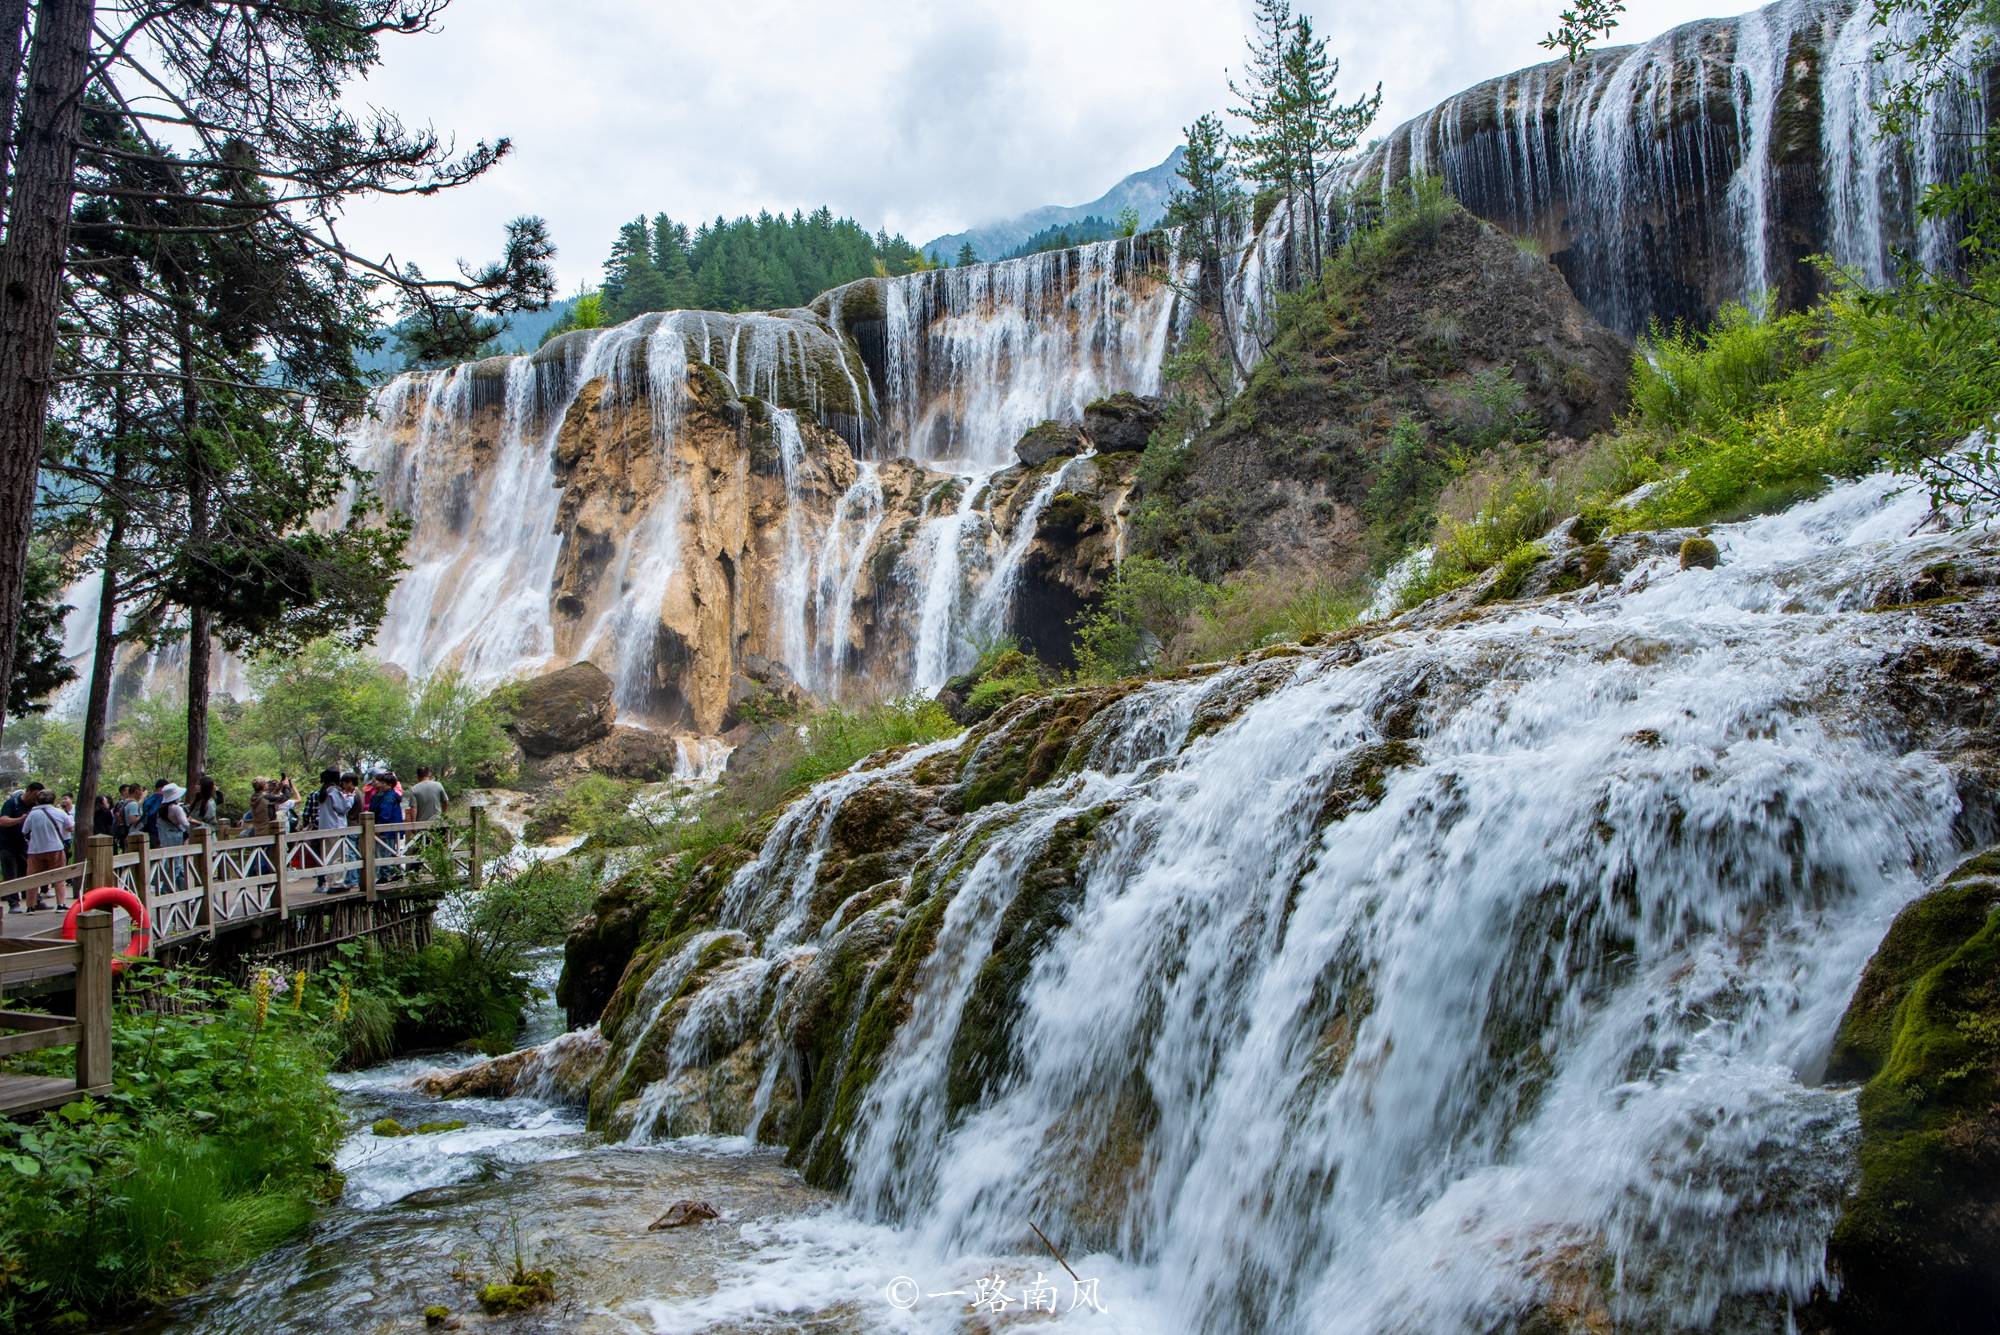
{"points": [[203, 861], [281, 854], [93, 999], [368, 856], [142, 871], [98, 851], [474, 873]]}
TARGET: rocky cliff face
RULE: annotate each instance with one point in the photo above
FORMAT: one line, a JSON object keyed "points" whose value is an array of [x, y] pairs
{"points": [[1703, 166], [829, 494]]}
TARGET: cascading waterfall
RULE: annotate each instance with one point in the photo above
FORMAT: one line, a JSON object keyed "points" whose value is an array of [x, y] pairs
{"points": [[950, 545], [1704, 165], [977, 355], [1440, 978], [795, 580], [856, 520], [990, 610]]}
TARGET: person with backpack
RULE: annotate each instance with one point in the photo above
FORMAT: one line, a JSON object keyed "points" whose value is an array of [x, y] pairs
{"points": [[171, 822], [13, 841], [388, 810], [149, 811], [130, 808]]}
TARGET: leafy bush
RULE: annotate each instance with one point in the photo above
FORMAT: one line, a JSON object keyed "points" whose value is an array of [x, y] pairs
{"points": [[1689, 381], [210, 1148], [1147, 603]]}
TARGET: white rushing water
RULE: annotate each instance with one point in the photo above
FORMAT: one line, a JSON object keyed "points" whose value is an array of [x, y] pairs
{"points": [[1544, 1004], [1621, 162], [978, 355]]}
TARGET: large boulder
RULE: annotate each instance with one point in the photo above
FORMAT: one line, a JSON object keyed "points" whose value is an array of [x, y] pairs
{"points": [[565, 710], [634, 753], [1050, 440], [1122, 423], [1916, 1243]]}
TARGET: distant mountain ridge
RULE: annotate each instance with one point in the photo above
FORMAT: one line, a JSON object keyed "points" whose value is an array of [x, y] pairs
{"points": [[1147, 191]]}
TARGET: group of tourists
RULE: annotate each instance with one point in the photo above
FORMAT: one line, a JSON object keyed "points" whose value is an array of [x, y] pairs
{"points": [[38, 828]]}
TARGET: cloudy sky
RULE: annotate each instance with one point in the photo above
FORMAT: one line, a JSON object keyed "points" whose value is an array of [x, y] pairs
{"points": [[923, 118]]}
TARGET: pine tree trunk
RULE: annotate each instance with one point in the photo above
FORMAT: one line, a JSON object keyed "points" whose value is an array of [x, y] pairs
{"points": [[1222, 293], [13, 51], [200, 653], [97, 706], [31, 269]]}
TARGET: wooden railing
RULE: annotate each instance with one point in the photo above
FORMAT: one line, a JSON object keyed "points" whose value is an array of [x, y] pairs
{"points": [[89, 1028], [213, 883]]}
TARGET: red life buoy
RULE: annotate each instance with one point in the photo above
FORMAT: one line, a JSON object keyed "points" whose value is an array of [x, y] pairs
{"points": [[111, 896]]}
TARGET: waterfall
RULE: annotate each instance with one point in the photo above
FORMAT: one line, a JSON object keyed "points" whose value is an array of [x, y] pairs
{"points": [[795, 579], [1704, 165], [1476, 965], [977, 355], [837, 568], [995, 603], [944, 544]]}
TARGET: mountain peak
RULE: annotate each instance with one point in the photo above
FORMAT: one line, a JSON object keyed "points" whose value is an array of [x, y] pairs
{"points": [[1147, 191]]}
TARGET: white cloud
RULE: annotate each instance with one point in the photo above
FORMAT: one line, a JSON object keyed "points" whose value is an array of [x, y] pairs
{"points": [[924, 120]]}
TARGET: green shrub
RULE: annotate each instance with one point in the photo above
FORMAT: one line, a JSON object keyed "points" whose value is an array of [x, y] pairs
{"points": [[1687, 381], [1147, 603], [211, 1147]]}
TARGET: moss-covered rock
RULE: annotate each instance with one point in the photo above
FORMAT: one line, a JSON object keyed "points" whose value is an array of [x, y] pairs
{"points": [[1048, 440], [1122, 423], [520, 1292], [599, 947], [1066, 515], [1700, 552], [388, 1128], [1050, 886], [1916, 1245]]}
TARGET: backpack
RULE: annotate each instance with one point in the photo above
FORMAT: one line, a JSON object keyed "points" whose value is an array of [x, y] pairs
{"points": [[149, 818]]}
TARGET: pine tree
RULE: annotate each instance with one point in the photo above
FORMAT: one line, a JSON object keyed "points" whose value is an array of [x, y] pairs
{"points": [[1208, 209], [1325, 129], [1270, 154], [633, 239], [966, 255], [670, 257], [250, 95]]}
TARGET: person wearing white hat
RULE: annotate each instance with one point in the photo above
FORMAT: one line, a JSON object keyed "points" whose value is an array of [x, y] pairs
{"points": [[173, 818]]}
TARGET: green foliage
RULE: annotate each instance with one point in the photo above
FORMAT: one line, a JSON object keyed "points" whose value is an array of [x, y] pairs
{"points": [[39, 666], [453, 728], [1413, 217], [1490, 411], [1256, 608], [210, 1148], [1147, 603], [51, 746], [762, 263], [1699, 381], [586, 311], [1061, 236], [837, 737]]}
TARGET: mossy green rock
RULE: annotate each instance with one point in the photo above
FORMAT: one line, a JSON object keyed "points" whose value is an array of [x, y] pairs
{"points": [[434, 1128], [1918, 1244], [1065, 516], [436, 1314], [389, 1127], [524, 1290], [1700, 552]]}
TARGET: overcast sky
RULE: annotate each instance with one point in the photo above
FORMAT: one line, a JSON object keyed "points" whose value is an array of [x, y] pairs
{"points": [[922, 118]]}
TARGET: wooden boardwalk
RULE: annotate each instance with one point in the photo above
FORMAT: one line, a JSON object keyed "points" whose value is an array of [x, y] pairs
{"points": [[214, 884]]}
